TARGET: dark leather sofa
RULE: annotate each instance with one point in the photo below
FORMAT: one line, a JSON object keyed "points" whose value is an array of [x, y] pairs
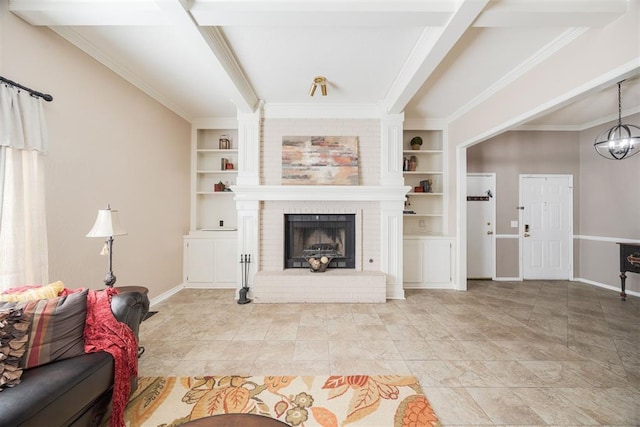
{"points": [[75, 391]]}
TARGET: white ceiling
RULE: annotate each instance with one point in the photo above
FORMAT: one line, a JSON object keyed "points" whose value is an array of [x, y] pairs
{"points": [[431, 59]]}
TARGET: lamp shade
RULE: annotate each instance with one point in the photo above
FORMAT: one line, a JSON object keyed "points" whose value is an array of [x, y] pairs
{"points": [[107, 224]]}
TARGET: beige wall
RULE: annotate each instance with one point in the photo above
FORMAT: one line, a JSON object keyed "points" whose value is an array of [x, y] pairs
{"points": [[109, 143]]}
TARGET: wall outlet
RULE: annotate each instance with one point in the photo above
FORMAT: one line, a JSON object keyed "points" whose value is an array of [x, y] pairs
{"points": [[514, 224]]}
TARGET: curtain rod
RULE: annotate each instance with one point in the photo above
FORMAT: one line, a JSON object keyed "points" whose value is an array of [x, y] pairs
{"points": [[44, 96]]}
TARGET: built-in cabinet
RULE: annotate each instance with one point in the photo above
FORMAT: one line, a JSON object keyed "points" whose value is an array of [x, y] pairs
{"points": [[215, 169], [210, 249], [211, 261], [423, 172], [427, 261], [427, 251]]}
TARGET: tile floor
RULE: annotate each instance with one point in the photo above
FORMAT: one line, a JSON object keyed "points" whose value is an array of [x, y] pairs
{"points": [[503, 353]]}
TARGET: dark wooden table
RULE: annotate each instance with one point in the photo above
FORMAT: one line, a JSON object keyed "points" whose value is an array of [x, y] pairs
{"points": [[629, 261], [235, 420]]}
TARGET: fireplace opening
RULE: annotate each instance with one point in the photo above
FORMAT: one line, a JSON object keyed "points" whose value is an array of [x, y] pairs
{"points": [[317, 235]]}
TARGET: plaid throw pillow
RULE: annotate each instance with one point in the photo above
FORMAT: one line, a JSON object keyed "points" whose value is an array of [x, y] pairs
{"points": [[56, 328]]}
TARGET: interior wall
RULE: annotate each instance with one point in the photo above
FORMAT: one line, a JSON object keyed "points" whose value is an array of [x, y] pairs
{"points": [[609, 206], [109, 143], [522, 152]]}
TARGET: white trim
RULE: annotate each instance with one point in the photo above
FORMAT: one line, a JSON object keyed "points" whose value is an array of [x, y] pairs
{"points": [[605, 286], [507, 236], [358, 193], [460, 278], [432, 286], [607, 239], [508, 279]]}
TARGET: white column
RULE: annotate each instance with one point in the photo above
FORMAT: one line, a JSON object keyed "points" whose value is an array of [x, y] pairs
{"points": [[391, 149], [249, 139], [391, 221], [249, 147], [391, 247]]}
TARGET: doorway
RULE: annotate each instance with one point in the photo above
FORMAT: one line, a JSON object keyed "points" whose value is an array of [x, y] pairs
{"points": [[546, 227], [481, 219]]}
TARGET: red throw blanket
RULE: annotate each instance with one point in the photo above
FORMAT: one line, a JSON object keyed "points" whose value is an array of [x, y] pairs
{"points": [[103, 332]]}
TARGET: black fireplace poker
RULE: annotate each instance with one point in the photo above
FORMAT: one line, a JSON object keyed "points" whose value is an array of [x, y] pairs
{"points": [[245, 260]]}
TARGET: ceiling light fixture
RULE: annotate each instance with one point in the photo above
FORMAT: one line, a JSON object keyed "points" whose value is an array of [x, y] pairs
{"points": [[621, 141], [319, 80]]}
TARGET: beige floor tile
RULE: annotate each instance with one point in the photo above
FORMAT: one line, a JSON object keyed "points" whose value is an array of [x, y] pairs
{"points": [[311, 350], [466, 413], [502, 406]]}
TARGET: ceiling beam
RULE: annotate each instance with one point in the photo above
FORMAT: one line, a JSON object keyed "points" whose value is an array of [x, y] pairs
{"points": [[551, 13], [429, 51], [212, 41], [98, 12], [349, 13]]}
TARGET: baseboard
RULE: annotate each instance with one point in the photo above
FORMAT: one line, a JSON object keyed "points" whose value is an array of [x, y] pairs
{"points": [[507, 279], [450, 286], [163, 296], [605, 286]]}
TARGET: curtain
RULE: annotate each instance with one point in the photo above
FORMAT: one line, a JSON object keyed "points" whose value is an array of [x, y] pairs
{"points": [[23, 232]]}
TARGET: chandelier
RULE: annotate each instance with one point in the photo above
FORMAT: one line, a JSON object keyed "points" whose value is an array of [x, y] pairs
{"points": [[621, 141]]}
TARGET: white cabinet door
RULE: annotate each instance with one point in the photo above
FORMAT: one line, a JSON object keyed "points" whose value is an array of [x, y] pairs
{"points": [[199, 256], [412, 262], [437, 261], [226, 261]]}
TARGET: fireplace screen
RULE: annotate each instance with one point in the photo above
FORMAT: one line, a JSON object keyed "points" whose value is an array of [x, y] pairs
{"points": [[317, 235]]}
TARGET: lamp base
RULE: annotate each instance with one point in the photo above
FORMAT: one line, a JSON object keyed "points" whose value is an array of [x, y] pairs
{"points": [[109, 280]]}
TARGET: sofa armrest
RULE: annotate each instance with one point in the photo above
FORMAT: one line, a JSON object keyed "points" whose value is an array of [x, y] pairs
{"points": [[130, 308]]}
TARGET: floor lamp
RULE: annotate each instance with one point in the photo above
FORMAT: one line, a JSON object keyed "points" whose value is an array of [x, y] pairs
{"points": [[107, 225]]}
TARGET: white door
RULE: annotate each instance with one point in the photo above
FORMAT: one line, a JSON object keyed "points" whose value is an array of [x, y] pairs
{"points": [[481, 214], [546, 226]]}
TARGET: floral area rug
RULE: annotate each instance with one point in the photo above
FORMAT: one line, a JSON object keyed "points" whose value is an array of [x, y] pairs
{"points": [[304, 401]]}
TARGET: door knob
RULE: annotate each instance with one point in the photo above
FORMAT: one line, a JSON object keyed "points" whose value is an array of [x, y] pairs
{"points": [[526, 234], [489, 232]]}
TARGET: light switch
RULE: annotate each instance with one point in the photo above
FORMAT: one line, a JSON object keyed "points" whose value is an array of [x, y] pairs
{"points": [[514, 224]]}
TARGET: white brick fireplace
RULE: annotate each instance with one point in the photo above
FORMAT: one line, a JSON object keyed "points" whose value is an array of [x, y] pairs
{"points": [[262, 202]]}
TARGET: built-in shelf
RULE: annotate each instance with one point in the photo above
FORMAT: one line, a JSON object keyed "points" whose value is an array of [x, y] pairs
{"points": [[426, 163]]}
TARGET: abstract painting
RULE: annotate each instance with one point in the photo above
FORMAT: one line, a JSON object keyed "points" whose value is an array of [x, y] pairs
{"points": [[319, 160]]}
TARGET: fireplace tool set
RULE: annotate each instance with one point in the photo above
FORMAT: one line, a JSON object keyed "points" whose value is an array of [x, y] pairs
{"points": [[245, 261]]}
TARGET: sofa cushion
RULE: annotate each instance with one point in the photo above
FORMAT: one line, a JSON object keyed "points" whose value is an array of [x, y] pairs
{"points": [[57, 393], [13, 343], [57, 327], [27, 293]]}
